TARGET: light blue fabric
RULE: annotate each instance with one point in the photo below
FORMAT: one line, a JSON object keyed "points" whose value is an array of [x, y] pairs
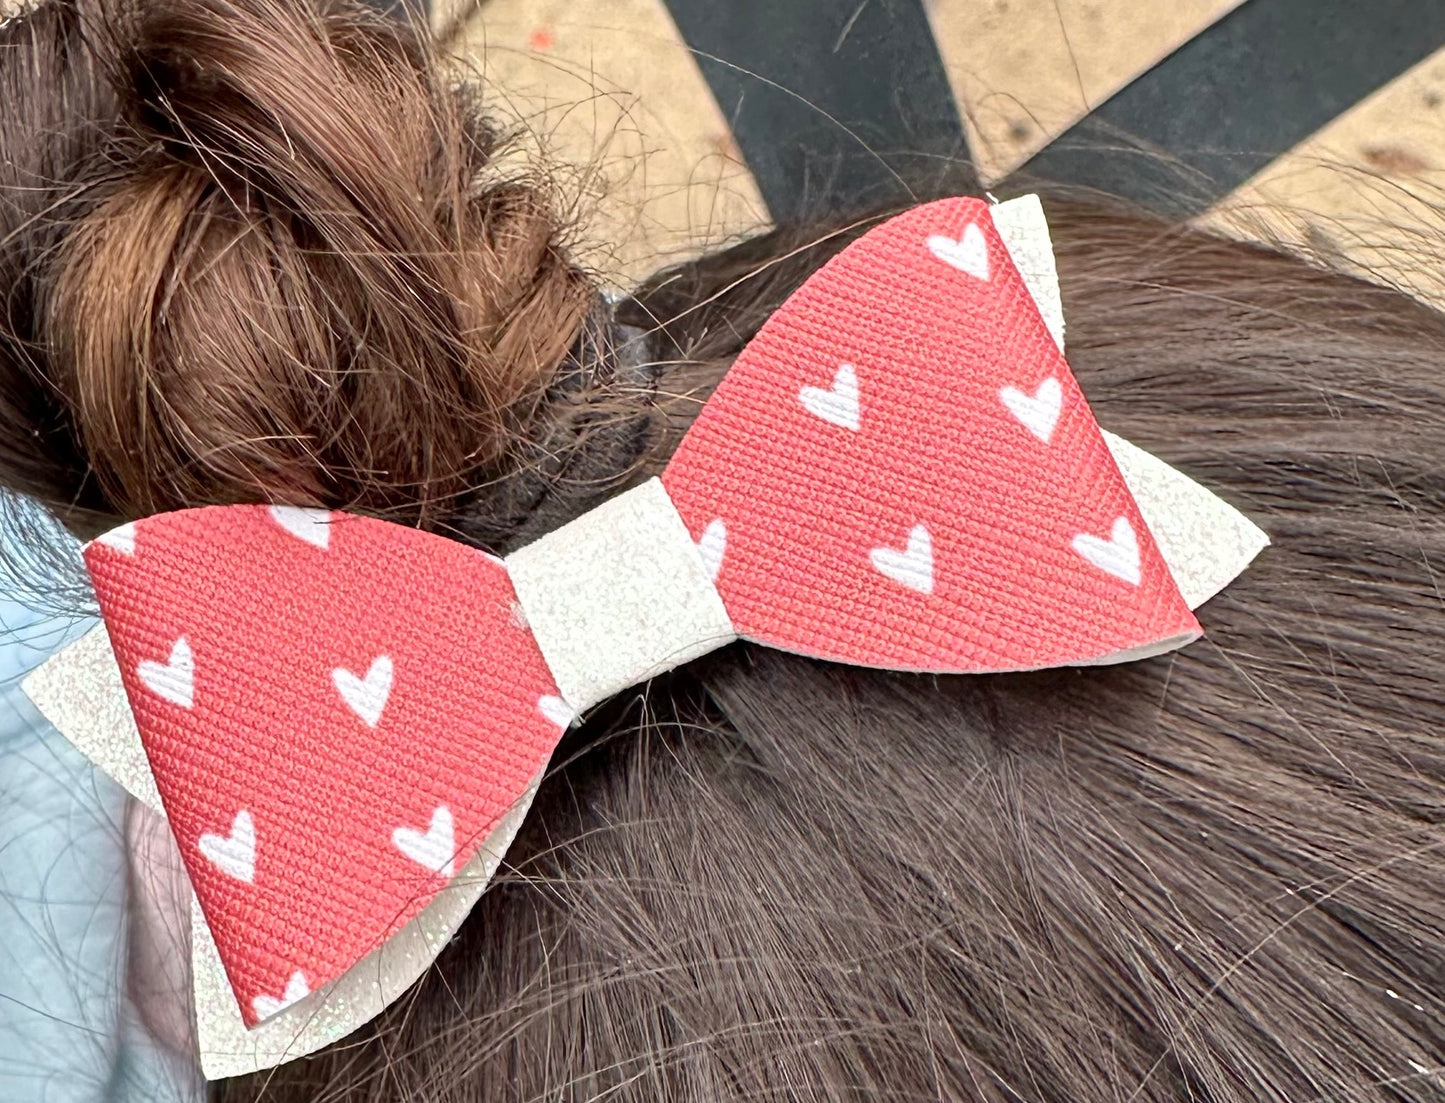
{"points": [[68, 1034]]}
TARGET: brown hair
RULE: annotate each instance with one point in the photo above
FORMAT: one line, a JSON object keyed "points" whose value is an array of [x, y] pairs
{"points": [[278, 264], [255, 252]]}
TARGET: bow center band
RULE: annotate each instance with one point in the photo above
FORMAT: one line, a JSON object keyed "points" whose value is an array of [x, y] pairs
{"points": [[619, 595]]}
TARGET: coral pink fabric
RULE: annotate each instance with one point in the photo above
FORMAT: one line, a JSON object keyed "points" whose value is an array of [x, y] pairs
{"points": [[273, 625], [899, 471], [941, 425]]}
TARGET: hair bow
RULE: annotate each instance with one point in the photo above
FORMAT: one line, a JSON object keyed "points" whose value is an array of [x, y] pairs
{"points": [[344, 716]]}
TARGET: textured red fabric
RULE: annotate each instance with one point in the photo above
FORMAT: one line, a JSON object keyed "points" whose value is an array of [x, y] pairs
{"points": [[887, 476], [342, 800]]}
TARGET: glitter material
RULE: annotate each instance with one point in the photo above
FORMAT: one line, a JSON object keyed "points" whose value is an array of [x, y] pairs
{"points": [[332, 1012], [1205, 540], [903, 513], [1025, 232], [618, 595], [317, 814], [78, 689]]}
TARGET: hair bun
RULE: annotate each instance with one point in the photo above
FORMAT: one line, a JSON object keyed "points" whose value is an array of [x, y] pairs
{"points": [[296, 275]]}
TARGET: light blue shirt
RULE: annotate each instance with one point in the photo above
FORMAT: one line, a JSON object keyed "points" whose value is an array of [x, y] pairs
{"points": [[68, 1031]]}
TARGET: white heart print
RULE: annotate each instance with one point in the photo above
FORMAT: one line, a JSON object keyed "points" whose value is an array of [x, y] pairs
{"points": [[367, 696], [968, 254], [296, 989], [121, 538], [1038, 412], [913, 566], [234, 854], [556, 710], [839, 405], [173, 679], [311, 525], [711, 545], [1119, 555], [436, 848]]}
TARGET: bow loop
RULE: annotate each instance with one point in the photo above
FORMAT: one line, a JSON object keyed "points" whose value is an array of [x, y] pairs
{"points": [[909, 476], [337, 711]]}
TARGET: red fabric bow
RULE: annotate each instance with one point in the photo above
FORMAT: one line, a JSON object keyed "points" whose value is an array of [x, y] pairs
{"points": [[899, 471]]}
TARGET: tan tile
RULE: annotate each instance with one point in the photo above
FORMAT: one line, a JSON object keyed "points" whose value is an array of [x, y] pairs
{"points": [[1023, 71], [1366, 192], [608, 92]]}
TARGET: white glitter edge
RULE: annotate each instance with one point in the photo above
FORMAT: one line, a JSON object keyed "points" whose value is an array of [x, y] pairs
{"points": [[1205, 541], [79, 690], [1025, 232], [227, 1048]]}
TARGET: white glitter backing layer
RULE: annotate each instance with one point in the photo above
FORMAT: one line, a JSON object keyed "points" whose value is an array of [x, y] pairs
{"points": [[333, 1011], [78, 689], [1205, 541], [618, 595], [1025, 232]]}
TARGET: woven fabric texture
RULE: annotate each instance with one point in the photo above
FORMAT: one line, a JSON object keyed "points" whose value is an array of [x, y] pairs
{"points": [[335, 721], [908, 475]]}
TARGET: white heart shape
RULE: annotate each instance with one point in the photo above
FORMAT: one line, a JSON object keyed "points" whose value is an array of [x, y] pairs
{"points": [[296, 989], [1119, 555], [173, 679], [968, 254], [556, 710], [838, 405], [311, 525], [913, 567], [121, 538], [366, 696], [436, 850], [1039, 412], [234, 854], [711, 545]]}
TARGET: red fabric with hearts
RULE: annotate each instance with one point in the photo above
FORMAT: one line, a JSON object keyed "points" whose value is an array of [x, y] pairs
{"points": [[269, 617], [820, 486]]}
